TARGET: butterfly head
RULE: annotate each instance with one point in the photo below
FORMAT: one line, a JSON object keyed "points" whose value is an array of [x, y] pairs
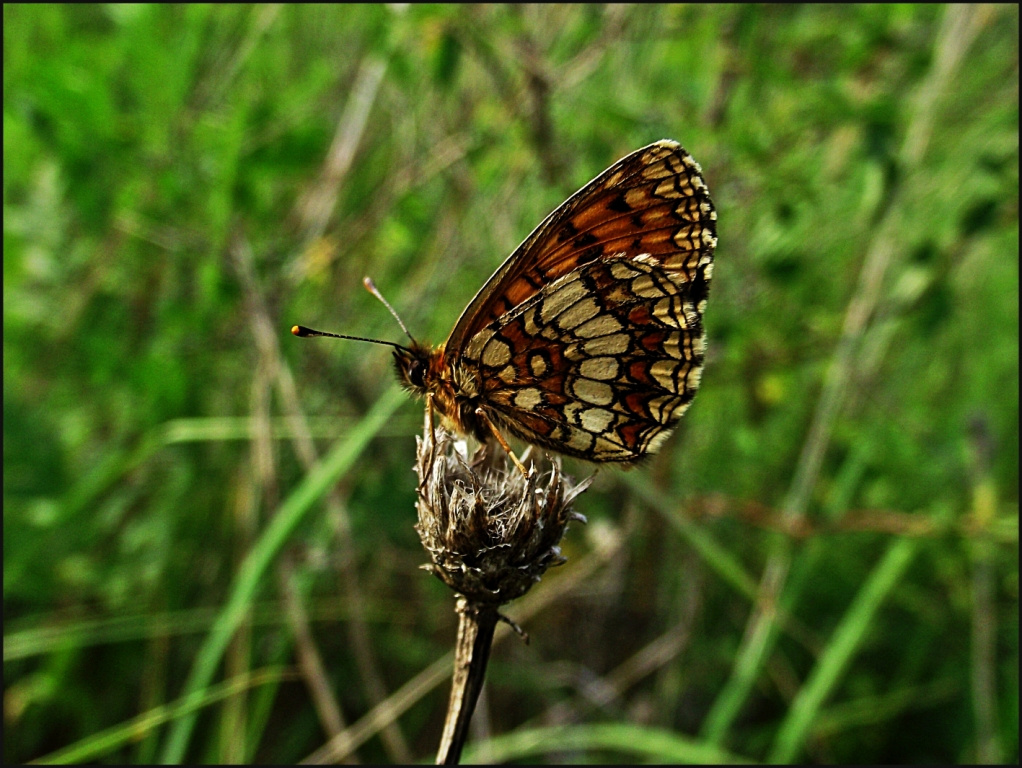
{"points": [[411, 367], [416, 367]]}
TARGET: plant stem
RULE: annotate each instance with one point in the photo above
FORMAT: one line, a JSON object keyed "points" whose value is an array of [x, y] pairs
{"points": [[476, 624]]}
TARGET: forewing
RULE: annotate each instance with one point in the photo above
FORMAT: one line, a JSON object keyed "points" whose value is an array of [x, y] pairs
{"points": [[651, 203]]}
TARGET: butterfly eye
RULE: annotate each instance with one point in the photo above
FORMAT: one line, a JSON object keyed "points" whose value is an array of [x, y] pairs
{"points": [[416, 373]]}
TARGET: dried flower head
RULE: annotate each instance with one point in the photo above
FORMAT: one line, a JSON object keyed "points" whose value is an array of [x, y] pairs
{"points": [[490, 531]]}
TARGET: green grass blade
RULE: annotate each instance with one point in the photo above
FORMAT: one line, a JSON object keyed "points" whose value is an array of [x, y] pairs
{"points": [[294, 509], [642, 744], [105, 742], [839, 652]]}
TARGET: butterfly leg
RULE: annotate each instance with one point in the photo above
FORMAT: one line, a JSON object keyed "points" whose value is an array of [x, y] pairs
{"points": [[430, 433], [500, 439]]}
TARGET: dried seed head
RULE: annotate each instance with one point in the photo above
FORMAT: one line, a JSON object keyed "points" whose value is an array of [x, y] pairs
{"points": [[491, 532]]}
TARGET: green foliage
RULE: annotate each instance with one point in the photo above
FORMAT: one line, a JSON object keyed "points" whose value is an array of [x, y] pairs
{"points": [[180, 179]]}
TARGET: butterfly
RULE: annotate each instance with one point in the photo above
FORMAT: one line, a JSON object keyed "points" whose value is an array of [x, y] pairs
{"points": [[588, 340]]}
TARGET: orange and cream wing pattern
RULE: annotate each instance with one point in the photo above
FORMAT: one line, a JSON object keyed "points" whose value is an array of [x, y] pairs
{"points": [[653, 201], [589, 339]]}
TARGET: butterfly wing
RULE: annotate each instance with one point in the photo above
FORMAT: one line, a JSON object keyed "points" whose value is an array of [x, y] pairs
{"points": [[651, 201], [589, 338]]}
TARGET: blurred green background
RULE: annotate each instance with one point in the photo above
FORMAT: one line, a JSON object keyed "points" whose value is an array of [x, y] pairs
{"points": [[209, 551]]}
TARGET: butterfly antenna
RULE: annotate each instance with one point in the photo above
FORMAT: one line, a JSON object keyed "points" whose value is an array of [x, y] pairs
{"points": [[371, 287], [301, 330]]}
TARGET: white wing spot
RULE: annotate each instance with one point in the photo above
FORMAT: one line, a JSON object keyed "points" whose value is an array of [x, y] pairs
{"points": [[599, 368], [620, 270], [578, 314], [537, 365], [596, 420], [666, 374], [665, 311], [475, 345], [528, 399], [594, 392], [579, 440], [496, 353], [508, 374], [560, 296], [616, 344], [571, 411], [672, 346], [601, 325], [646, 288]]}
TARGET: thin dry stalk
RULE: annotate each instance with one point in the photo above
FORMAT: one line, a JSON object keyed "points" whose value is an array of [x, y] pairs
{"points": [[310, 662], [267, 342], [471, 653]]}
